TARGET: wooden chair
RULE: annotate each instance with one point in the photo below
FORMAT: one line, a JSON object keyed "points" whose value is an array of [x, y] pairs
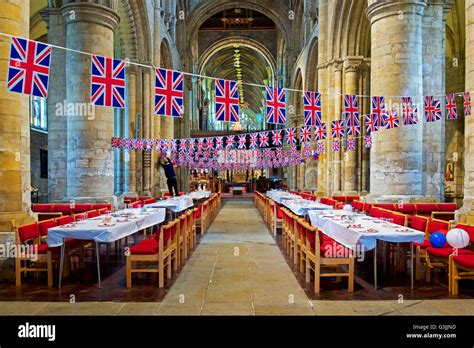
{"points": [[182, 248], [191, 226], [160, 248], [460, 267], [30, 253], [277, 218], [435, 261], [327, 254]]}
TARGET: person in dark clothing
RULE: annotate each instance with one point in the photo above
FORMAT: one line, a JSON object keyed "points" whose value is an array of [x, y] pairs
{"points": [[172, 182]]}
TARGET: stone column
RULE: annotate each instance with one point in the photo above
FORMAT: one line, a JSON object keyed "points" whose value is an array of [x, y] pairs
{"points": [[396, 69], [337, 188], [57, 113], [351, 71], [131, 111], [15, 188], [146, 130], [366, 105], [468, 206], [434, 48], [90, 162]]}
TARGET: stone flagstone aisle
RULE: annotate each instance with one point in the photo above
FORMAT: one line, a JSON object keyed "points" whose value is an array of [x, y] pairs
{"points": [[236, 269]]}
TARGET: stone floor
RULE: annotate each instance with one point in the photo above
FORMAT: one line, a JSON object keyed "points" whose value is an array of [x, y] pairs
{"points": [[238, 269]]}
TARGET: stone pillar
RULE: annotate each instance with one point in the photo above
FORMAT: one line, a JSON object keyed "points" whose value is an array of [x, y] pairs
{"points": [[15, 188], [396, 69], [468, 206], [434, 48], [90, 161], [131, 111], [146, 130], [366, 105], [337, 187], [351, 79], [57, 113]]}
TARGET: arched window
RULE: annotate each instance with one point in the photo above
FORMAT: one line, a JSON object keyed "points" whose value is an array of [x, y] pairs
{"points": [[38, 114]]}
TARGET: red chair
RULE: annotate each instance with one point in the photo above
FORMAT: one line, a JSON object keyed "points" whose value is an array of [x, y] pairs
{"points": [[432, 227], [30, 251], [99, 206], [387, 214], [400, 219], [357, 205], [81, 208], [425, 209], [137, 204], [386, 206], [447, 207], [460, 267], [350, 199], [64, 220], [406, 208], [166, 195], [366, 208], [92, 214], [376, 212], [324, 200], [341, 199]]}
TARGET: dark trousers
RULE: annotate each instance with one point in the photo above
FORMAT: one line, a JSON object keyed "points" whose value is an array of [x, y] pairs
{"points": [[173, 184]]}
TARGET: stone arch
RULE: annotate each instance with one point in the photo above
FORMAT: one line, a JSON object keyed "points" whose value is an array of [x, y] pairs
{"points": [[311, 74], [165, 55]]}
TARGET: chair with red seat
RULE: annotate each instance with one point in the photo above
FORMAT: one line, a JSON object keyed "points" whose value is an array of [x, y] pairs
{"points": [[341, 199], [136, 204], [160, 248], [460, 267], [400, 219], [425, 209], [357, 205], [45, 225], [376, 212], [366, 208], [191, 226], [350, 199], [182, 239], [386, 206], [277, 218], [30, 254], [64, 220], [406, 208], [92, 214], [166, 195], [433, 261], [318, 254]]}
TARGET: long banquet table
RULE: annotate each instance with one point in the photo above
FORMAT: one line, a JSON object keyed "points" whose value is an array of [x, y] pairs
{"points": [[358, 231], [303, 206], [174, 204], [279, 196], [94, 229]]}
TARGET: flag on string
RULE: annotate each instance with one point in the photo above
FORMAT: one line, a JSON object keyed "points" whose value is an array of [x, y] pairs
{"points": [[210, 143], [321, 132], [320, 148], [107, 82], [116, 142], [351, 114], [253, 140], [182, 145], [276, 138], [378, 111], [229, 141], [432, 109], [275, 105], [391, 120], [173, 145], [312, 108], [337, 129], [169, 86], [351, 144], [307, 148], [263, 139], [336, 146], [140, 144], [242, 141], [467, 103], [305, 134], [290, 135], [219, 143], [371, 124], [200, 144], [28, 67], [451, 110], [127, 143], [409, 112], [148, 145], [227, 101], [368, 141]]}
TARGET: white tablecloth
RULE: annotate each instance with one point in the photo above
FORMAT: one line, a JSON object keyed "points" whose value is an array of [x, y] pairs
{"points": [[280, 196], [90, 230], [200, 194], [335, 225], [175, 204], [303, 206]]}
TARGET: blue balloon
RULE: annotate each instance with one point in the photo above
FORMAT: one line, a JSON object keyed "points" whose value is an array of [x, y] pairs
{"points": [[438, 240]]}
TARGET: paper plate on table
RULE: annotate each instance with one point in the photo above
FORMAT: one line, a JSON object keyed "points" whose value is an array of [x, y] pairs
{"points": [[106, 225], [68, 225]]}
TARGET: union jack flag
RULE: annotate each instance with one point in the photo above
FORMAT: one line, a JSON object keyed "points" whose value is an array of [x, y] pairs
{"points": [[227, 101], [169, 85], [351, 114], [28, 67], [219, 143], [200, 144], [253, 140], [467, 103], [276, 138], [312, 108], [229, 140], [451, 110], [173, 145], [409, 113], [163, 145], [351, 145], [336, 146], [275, 105], [391, 120], [210, 143], [337, 129], [242, 141], [263, 139], [378, 111], [107, 82], [182, 145], [368, 141], [321, 132], [432, 109], [116, 142], [148, 145], [305, 134], [370, 123], [320, 148], [307, 148], [140, 144], [127, 143], [290, 134]]}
